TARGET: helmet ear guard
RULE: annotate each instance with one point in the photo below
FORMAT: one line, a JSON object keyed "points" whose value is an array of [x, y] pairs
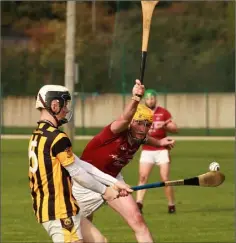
{"points": [[61, 97]]}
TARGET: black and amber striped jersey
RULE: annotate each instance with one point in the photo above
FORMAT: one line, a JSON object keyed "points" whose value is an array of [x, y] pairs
{"points": [[49, 151]]}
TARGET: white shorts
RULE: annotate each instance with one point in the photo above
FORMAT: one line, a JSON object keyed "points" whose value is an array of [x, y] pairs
{"points": [[155, 157], [64, 230], [88, 200]]}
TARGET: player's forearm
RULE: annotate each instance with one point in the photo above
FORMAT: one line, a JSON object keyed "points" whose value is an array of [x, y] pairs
{"points": [[129, 111], [97, 174], [153, 142], [171, 127], [79, 175], [123, 122]]}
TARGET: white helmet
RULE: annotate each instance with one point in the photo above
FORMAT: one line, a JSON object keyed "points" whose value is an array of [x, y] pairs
{"points": [[49, 91], [47, 94]]}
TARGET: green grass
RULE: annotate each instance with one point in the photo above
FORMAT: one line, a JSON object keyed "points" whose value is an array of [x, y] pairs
{"points": [[203, 214], [95, 130]]}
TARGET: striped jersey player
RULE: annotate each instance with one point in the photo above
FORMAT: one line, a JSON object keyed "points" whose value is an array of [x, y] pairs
{"points": [[53, 166]]}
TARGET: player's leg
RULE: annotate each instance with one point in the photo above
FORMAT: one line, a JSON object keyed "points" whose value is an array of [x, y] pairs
{"points": [[164, 165], [90, 217], [128, 209], [88, 201], [90, 233], [146, 163], [66, 230]]}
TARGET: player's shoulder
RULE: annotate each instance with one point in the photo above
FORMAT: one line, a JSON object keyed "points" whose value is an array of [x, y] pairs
{"points": [[105, 136], [161, 109], [58, 134], [55, 135], [61, 143], [105, 131]]}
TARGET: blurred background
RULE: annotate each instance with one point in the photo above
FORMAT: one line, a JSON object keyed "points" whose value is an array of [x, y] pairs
{"points": [[191, 61]]}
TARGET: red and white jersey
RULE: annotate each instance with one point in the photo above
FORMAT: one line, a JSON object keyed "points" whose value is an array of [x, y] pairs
{"points": [[160, 115], [109, 152]]}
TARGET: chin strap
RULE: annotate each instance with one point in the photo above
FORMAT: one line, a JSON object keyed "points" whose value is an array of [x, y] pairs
{"points": [[62, 121]]}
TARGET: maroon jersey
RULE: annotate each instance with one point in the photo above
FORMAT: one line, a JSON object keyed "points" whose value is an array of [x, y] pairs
{"points": [[109, 152], [160, 116]]}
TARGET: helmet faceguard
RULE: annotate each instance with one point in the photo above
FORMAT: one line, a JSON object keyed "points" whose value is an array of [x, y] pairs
{"points": [[135, 139]]}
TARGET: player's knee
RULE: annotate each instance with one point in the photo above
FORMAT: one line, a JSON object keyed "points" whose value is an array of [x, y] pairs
{"points": [[143, 178], [138, 222], [164, 178]]}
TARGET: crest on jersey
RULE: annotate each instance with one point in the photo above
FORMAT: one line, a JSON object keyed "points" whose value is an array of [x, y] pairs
{"points": [[67, 223]]}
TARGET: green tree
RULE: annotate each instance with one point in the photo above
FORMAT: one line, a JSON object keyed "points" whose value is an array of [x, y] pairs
{"points": [[191, 47]]}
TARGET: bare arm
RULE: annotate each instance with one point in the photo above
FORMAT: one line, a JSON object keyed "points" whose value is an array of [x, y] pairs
{"points": [[171, 127], [153, 142], [165, 142], [122, 123]]}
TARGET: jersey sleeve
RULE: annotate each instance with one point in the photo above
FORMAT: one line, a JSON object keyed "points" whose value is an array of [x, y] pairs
{"points": [[106, 134], [62, 150], [167, 115]]}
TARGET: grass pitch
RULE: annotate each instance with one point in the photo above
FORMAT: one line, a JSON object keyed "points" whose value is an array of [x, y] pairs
{"points": [[203, 214]]}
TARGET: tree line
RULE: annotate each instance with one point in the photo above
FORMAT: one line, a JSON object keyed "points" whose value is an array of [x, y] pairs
{"points": [[191, 46]]}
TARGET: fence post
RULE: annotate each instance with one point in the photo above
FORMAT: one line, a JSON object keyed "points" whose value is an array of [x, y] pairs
{"points": [[207, 114], [70, 59], [1, 109], [165, 99], [123, 79], [83, 112], [94, 16]]}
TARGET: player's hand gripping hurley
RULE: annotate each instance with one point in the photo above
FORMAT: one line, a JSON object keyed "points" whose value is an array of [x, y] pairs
{"points": [[209, 179], [147, 10]]}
